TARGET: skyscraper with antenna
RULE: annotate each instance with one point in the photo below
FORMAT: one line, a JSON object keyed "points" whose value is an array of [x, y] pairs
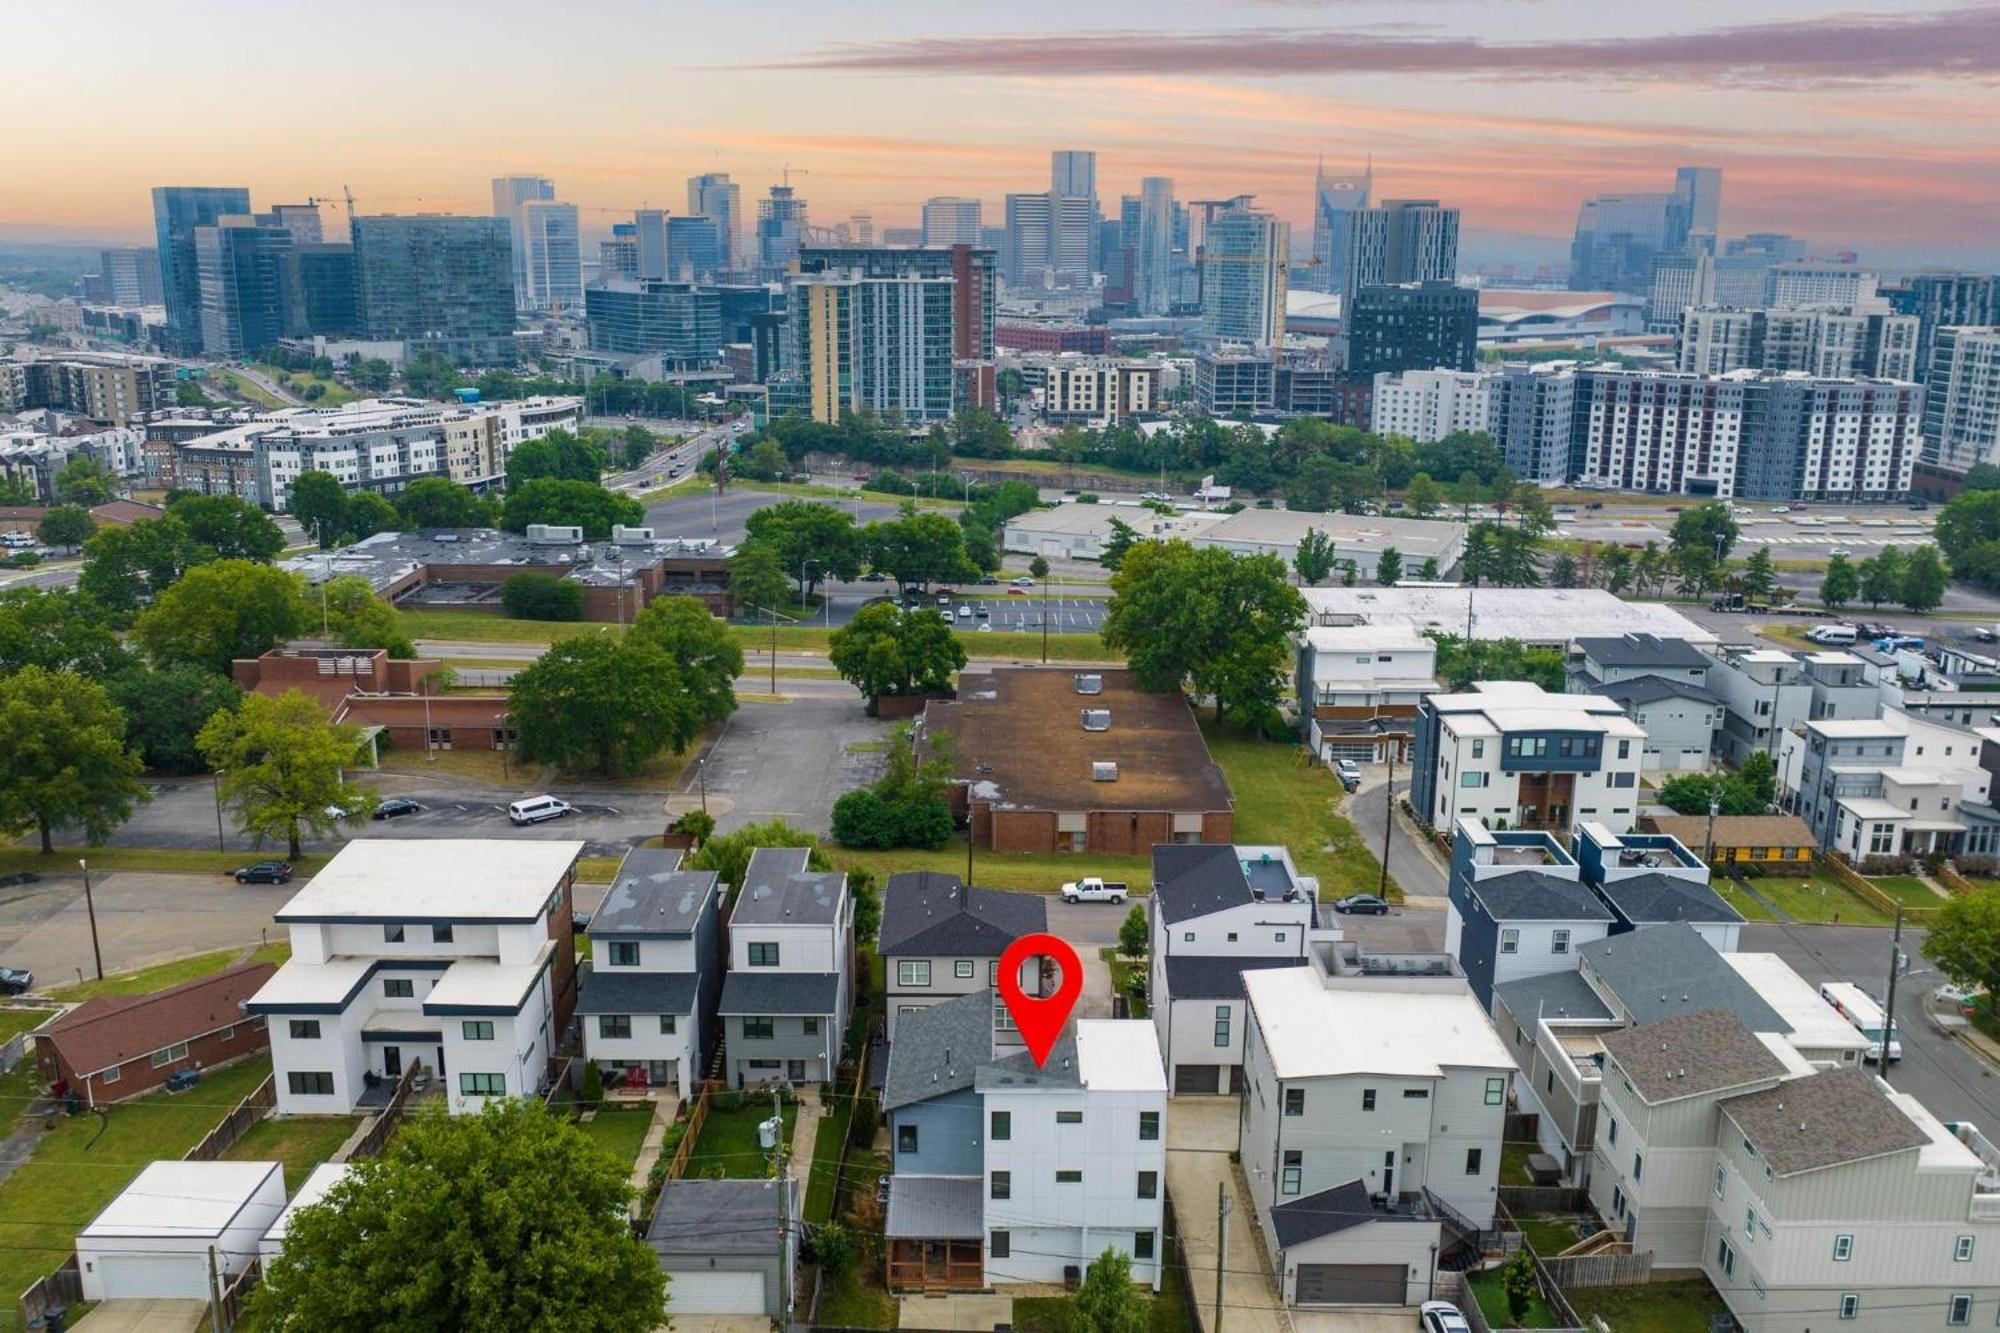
{"points": [[1335, 200]]}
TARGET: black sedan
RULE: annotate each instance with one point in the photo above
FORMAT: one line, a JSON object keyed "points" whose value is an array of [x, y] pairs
{"points": [[13, 981], [1361, 904], [265, 872], [391, 806]]}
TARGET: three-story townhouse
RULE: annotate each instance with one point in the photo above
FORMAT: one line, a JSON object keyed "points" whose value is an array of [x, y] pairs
{"points": [[789, 991]]}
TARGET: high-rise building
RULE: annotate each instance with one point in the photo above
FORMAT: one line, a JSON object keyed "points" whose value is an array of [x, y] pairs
{"points": [[649, 244], [1412, 326], [301, 220], [177, 211], [1697, 278], [1531, 415], [1335, 200], [862, 228], [1073, 171], [618, 254], [437, 282], [781, 228], [1153, 254], [1831, 342], [1962, 399], [1942, 300], [714, 196], [244, 273], [908, 330], [324, 284], [1424, 406], [951, 220], [1701, 189], [1047, 240], [1618, 236], [1246, 257], [1818, 283], [694, 249], [1774, 246], [676, 321], [131, 276], [554, 267], [509, 193], [1401, 241]]}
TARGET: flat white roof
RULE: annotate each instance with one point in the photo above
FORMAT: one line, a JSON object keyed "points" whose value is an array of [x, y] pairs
{"points": [[323, 1178], [1815, 1023], [187, 1199], [1518, 705], [1365, 638], [1119, 1055], [1857, 728], [1314, 1032], [478, 984], [1533, 615], [1944, 1152], [435, 879], [295, 983]]}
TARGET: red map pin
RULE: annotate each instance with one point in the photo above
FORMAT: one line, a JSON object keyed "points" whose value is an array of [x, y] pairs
{"points": [[1040, 1019]]}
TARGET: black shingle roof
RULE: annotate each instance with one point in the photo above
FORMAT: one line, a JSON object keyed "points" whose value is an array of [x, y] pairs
{"points": [[1662, 971], [932, 913], [1536, 895], [780, 993], [653, 896], [1552, 995], [1195, 879], [1216, 978], [621, 991], [1647, 900], [703, 1217], [1642, 690], [938, 1049], [1326, 1212], [1642, 650]]}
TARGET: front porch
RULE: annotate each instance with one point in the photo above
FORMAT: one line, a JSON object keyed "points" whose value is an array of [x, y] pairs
{"points": [[934, 1265], [936, 1232]]}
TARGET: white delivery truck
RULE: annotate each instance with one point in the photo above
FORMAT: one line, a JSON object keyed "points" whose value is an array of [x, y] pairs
{"points": [[1858, 1007]]}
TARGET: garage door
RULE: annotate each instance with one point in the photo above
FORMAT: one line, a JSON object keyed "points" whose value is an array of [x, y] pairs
{"points": [[1361, 752], [1197, 1078], [716, 1293], [1352, 1284], [140, 1276]]}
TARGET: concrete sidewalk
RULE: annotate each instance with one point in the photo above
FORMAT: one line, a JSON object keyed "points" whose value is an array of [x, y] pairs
{"points": [[805, 1133], [665, 1107]]}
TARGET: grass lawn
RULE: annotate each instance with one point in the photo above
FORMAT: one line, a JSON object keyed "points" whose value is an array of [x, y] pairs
{"points": [[1123, 969], [1492, 1300], [729, 1140], [598, 869], [1165, 1313], [619, 1132], [178, 860], [1043, 872], [336, 392], [858, 1300], [167, 974], [1514, 1163], [1819, 899], [1752, 909], [827, 1148], [74, 1172], [300, 1142], [1283, 797], [245, 387], [1909, 891], [1651, 1307], [1549, 1236], [21, 1020], [482, 765]]}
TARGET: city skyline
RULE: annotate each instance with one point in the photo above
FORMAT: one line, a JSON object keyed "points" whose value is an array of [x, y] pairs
{"points": [[1795, 101]]}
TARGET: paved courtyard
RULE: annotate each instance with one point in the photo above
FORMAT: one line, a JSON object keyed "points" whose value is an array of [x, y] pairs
{"points": [[788, 761]]}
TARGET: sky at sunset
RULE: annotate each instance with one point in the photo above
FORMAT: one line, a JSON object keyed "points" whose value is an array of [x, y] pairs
{"points": [[1865, 124]]}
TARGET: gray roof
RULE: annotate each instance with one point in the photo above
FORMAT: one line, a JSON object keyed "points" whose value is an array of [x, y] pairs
{"points": [[1691, 1054], [624, 991], [779, 890], [1216, 978], [1825, 1119], [1651, 899], [1552, 995], [780, 993], [652, 895], [1536, 895], [938, 1048], [1660, 971], [936, 1207], [1642, 650], [933, 913], [1651, 689], [1195, 879], [716, 1217], [1020, 1071], [1328, 1211]]}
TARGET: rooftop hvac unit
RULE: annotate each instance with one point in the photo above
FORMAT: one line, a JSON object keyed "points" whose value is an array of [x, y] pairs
{"points": [[1096, 719], [1089, 683], [554, 534], [627, 536], [444, 536], [1104, 770]]}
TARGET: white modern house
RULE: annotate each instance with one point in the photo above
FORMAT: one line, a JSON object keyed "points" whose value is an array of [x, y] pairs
{"points": [[790, 986], [154, 1241], [456, 954], [1516, 906], [1373, 1111], [1359, 687], [1219, 911], [648, 998]]}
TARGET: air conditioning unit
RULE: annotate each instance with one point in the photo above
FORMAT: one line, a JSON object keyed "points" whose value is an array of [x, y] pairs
{"points": [[1104, 770], [1089, 683], [1096, 719], [554, 534], [630, 536]]}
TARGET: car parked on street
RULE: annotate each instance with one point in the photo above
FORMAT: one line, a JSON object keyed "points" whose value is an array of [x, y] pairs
{"points": [[1094, 890], [1361, 904], [1442, 1317], [534, 809], [265, 872], [390, 807], [1348, 772], [13, 981]]}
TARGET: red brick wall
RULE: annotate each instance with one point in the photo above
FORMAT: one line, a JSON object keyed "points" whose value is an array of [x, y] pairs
{"points": [[137, 1076], [562, 971], [1020, 830], [1106, 832]]}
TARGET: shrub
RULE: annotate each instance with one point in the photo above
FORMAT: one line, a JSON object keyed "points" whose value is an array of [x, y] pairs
{"points": [[925, 824], [860, 819], [531, 596], [1086, 498], [890, 483], [861, 1129], [593, 1083], [833, 1250], [727, 1102]]}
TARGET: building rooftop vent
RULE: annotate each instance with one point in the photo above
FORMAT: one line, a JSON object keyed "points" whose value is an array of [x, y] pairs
{"points": [[625, 536], [1089, 683], [1096, 719], [1104, 770], [554, 534]]}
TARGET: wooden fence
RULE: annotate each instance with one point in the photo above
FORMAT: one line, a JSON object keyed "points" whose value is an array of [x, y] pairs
{"points": [[1873, 896], [62, 1287], [1521, 1127], [1518, 1199], [234, 1125], [1468, 1305], [233, 1297], [1601, 1270], [376, 1137], [1951, 879], [696, 1119]]}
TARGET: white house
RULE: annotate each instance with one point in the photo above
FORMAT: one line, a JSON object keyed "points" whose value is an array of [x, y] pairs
{"points": [[153, 1241], [1516, 906], [313, 1190], [453, 953], [789, 990], [1218, 911], [941, 937], [1359, 687]]}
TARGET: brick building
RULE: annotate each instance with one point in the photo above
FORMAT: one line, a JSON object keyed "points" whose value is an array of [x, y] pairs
{"points": [[387, 698], [1087, 339], [1055, 760], [112, 1047]]}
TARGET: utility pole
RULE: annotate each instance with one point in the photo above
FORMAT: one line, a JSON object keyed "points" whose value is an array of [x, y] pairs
{"points": [[215, 781], [89, 906], [785, 1205], [1045, 620], [215, 1295], [1221, 1247], [1714, 809], [1889, 1008], [1388, 815]]}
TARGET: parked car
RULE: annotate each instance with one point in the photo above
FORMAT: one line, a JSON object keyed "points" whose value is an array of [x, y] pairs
{"points": [[13, 981], [1361, 904], [1017, 592], [1348, 772], [391, 807], [982, 613], [964, 612], [265, 872], [1091, 889], [1441, 1317], [1024, 581], [534, 809]]}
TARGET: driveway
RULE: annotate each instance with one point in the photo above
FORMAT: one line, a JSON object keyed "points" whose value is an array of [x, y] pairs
{"points": [[1410, 865], [142, 918], [790, 761], [1201, 1133], [143, 1317]]}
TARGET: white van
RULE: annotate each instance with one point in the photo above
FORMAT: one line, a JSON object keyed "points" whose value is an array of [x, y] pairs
{"points": [[534, 809], [16, 539], [1837, 635], [1858, 1007]]}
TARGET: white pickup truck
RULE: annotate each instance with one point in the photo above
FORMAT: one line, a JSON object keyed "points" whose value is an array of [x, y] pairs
{"points": [[1094, 890]]}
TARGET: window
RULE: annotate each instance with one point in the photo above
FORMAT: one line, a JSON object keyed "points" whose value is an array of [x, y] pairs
{"points": [[1962, 1252], [167, 1055], [1000, 1246], [668, 1025], [1617, 1201], [1472, 1156], [1069, 1117], [1149, 1125], [440, 934], [305, 1029], [1221, 1025], [614, 1025], [1472, 777], [1142, 1245], [1496, 1091], [1368, 1099], [759, 1028], [624, 953], [1624, 749], [763, 953], [1003, 1126], [399, 988], [1069, 1177], [1295, 1101], [1959, 1311], [1149, 1184], [477, 1029], [1850, 1304], [227, 1033], [1725, 1258], [112, 1075], [1002, 1185], [1187, 937], [1611, 1131], [1638, 1166], [310, 1083], [1232, 937], [1478, 748], [1416, 1094], [913, 972], [1510, 940], [962, 969], [392, 934], [1294, 1170], [906, 1138], [1559, 940], [1843, 1249], [482, 1085], [812, 1025]]}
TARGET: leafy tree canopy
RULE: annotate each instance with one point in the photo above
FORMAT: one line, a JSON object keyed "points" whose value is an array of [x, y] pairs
{"points": [[582, 504], [221, 611], [282, 762], [232, 528], [63, 757], [885, 650]]}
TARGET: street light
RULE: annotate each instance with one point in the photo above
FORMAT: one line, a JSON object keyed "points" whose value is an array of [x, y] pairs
{"points": [[90, 906]]}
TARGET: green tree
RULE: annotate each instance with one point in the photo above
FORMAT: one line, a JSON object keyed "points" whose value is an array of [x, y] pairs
{"points": [[222, 611], [1429, 571], [281, 762], [1038, 568], [812, 541], [918, 549], [1707, 528], [1423, 497], [1313, 560], [1924, 579], [1461, 661], [637, 445], [56, 628], [1759, 776], [833, 1251], [522, 1225], [1531, 510], [125, 567], [368, 514], [559, 455], [1562, 570], [429, 374], [18, 492], [165, 709], [63, 757], [87, 482], [357, 618], [609, 706], [706, 656], [885, 651], [1389, 567], [1760, 576], [319, 503], [1882, 577], [756, 578], [1133, 933], [1107, 1302], [434, 502], [67, 526], [728, 854], [1116, 546], [583, 504], [1964, 940], [531, 595], [1517, 1284], [231, 528], [1840, 585]]}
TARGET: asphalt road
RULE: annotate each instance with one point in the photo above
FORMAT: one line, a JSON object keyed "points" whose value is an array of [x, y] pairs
{"points": [[788, 761], [1369, 807], [141, 919]]}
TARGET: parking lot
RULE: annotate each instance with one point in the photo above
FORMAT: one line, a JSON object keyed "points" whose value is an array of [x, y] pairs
{"points": [[1065, 615]]}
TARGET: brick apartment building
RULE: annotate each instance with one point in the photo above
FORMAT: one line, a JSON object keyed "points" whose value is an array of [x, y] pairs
{"points": [[112, 1047]]}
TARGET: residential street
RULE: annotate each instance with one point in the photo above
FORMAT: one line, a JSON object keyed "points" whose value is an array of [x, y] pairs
{"points": [[1409, 864]]}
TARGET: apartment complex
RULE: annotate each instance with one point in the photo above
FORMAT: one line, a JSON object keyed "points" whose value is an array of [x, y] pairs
{"points": [[1513, 756], [436, 282], [1961, 407], [1424, 406], [1828, 342], [1096, 391], [1245, 258], [121, 390]]}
